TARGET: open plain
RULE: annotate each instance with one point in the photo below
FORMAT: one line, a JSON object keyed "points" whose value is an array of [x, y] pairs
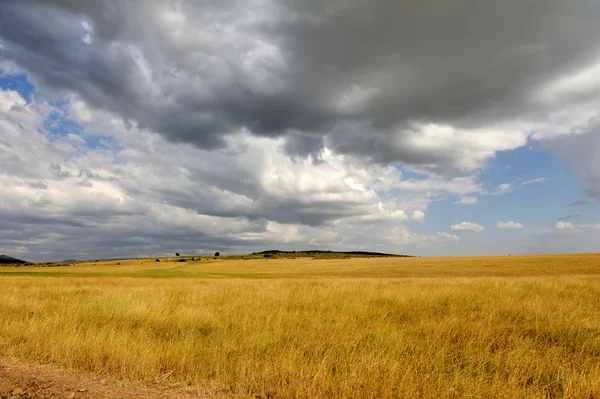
{"points": [[495, 327]]}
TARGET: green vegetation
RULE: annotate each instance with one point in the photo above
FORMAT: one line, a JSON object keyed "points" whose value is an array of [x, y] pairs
{"points": [[315, 254]]}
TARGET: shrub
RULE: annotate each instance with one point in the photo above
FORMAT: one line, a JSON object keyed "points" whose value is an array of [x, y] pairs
{"points": [[158, 260], [217, 254]]}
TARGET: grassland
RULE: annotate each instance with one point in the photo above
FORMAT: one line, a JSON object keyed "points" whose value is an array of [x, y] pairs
{"points": [[499, 327]]}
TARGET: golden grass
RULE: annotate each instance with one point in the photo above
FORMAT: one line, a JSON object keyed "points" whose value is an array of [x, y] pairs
{"points": [[505, 327]]}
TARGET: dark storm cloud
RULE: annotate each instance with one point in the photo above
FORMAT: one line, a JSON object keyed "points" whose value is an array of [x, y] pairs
{"points": [[302, 145], [364, 71], [68, 240], [279, 209]]}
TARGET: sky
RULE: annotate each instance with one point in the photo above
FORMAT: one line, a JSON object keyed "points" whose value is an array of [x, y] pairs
{"points": [[421, 127]]}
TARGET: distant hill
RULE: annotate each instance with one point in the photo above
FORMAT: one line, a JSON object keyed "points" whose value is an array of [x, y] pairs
{"points": [[5, 259], [315, 253]]}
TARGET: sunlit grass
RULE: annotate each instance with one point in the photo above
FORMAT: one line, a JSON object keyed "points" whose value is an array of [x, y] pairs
{"points": [[510, 327]]}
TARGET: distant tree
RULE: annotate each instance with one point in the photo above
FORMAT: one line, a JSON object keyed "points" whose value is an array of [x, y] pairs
{"points": [[176, 253], [217, 254]]}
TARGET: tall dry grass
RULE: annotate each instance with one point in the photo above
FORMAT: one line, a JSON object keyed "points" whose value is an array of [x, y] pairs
{"points": [[430, 337]]}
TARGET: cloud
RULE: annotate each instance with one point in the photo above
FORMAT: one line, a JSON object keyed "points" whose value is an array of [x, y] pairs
{"points": [[321, 75], [236, 124], [467, 226], [63, 199], [418, 216], [467, 200], [564, 225], [502, 189], [508, 187], [448, 237], [458, 185], [402, 236], [509, 225], [10, 99], [538, 180], [580, 203], [561, 225], [591, 226], [582, 152]]}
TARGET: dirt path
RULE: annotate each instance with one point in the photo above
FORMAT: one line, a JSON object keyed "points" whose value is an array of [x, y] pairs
{"points": [[20, 380]]}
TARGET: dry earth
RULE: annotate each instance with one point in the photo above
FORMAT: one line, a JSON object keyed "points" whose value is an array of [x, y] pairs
{"points": [[19, 380]]}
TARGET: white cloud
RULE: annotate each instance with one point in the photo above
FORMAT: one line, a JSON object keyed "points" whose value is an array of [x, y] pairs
{"points": [[502, 189], [538, 180], [87, 31], [561, 225], [564, 225], [467, 226], [79, 111], [448, 237], [418, 216], [579, 83], [10, 99], [467, 200], [508, 187], [458, 185], [509, 225], [469, 148]]}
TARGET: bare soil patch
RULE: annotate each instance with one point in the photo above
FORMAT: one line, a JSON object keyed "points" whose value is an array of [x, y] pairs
{"points": [[19, 380]]}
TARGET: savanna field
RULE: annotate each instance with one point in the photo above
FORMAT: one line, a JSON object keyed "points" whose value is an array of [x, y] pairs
{"points": [[493, 327]]}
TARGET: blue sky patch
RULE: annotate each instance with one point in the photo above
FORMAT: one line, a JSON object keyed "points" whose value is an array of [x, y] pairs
{"points": [[19, 83]]}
